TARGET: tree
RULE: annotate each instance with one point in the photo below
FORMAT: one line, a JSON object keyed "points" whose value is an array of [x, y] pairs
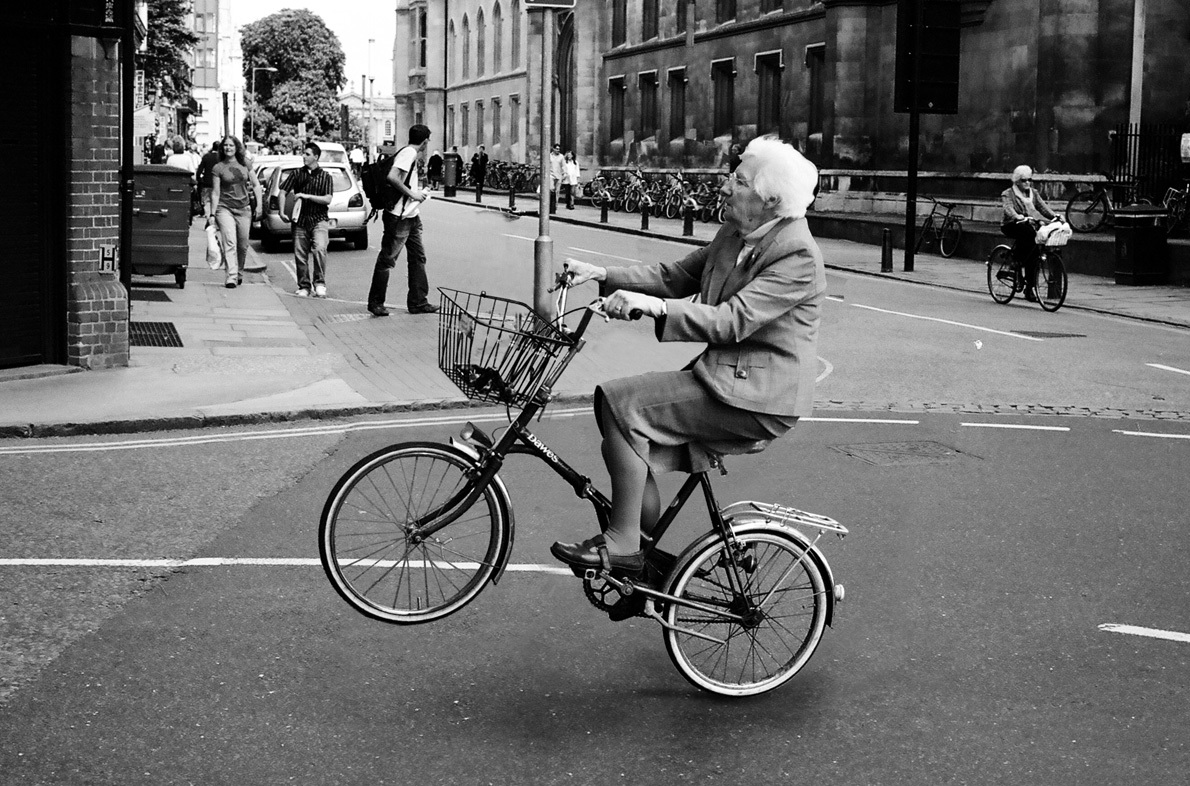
{"points": [[169, 39], [309, 62]]}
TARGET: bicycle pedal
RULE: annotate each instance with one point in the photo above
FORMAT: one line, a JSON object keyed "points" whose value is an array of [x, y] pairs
{"points": [[589, 574]]}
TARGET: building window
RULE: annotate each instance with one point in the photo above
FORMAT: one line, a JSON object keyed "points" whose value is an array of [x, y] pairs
{"points": [[647, 84], [816, 65], [768, 74], [677, 103], [466, 48], [421, 37], [514, 119], [496, 121], [497, 39], [388, 129], [724, 10], [515, 20], [648, 23], [480, 37], [465, 124], [619, 22], [723, 79], [479, 129], [616, 87], [453, 52], [450, 125], [768, 6], [680, 17]]}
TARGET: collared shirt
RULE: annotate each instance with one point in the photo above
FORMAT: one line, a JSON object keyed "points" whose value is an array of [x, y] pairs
{"points": [[754, 237], [316, 182]]}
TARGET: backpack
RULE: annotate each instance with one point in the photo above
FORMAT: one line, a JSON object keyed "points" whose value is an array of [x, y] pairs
{"points": [[380, 193]]}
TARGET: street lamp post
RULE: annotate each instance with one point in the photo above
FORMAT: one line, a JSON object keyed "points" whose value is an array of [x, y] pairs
{"points": [[254, 103]]}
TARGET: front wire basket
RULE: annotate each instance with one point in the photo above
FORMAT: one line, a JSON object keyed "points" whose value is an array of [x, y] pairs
{"points": [[499, 350]]}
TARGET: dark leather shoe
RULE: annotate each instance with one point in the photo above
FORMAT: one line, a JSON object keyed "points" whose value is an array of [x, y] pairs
{"points": [[593, 553], [1031, 295], [427, 308], [378, 311]]}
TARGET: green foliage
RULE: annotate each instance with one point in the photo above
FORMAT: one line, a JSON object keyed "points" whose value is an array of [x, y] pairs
{"points": [[309, 62], [169, 40]]}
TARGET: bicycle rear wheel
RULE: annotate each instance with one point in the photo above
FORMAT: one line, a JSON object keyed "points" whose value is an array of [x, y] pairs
{"points": [[368, 549], [952, 233], [1051, 281], [1002, 273], [782, 607], [926, 229], [1087, 210]]}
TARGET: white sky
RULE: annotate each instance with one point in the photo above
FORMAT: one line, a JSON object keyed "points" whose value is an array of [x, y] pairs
{"points": [[353, 21]]}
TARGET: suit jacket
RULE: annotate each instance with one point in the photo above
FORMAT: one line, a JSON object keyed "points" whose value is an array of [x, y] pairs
{"points": [[759, 319]]}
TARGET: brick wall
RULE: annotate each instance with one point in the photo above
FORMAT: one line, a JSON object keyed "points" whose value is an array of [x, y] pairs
{"points": [[97, 304]]}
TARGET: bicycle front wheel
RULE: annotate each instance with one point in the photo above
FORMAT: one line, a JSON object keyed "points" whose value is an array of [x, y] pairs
{"points": [[952, 233], [368, 543], [1001, 274], [1051, 281], [779, 612], [1087, 211]]}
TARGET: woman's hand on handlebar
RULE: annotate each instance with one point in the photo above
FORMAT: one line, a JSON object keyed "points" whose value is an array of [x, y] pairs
{"points": [[582, 272], [623, 304]]}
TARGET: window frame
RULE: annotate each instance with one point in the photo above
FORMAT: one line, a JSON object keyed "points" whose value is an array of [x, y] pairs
{"points": [[723, 74]]}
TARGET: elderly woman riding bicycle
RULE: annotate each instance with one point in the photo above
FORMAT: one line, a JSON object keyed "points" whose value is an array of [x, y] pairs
{"points": [[754, 295], [1024, 211]]}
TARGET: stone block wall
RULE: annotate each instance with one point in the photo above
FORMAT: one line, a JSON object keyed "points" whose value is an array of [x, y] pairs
{"points": [[97, 304]]}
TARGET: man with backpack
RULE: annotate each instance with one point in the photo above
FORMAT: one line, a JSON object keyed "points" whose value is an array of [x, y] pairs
{"points": [[402, 229]]}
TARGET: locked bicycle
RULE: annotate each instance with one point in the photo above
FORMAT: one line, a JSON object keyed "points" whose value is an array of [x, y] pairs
{"points": [[416, 531], [1007, 277], [942, 226]]}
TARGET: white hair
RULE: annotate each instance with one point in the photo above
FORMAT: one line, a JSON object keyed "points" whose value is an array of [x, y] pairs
{"points": [[783, 174], [1022, 172]]}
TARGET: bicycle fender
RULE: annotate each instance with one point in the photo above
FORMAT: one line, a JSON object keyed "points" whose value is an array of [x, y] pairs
{"points": [[742, 525], [505, 503]]}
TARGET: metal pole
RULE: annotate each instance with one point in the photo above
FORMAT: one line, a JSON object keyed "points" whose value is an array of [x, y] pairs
{"points": [[252, 135], [543, 246], [914, 133]]}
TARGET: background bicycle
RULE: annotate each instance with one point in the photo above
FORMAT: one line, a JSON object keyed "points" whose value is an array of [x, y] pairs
{"points": [[1090, 209], [943, 227]]}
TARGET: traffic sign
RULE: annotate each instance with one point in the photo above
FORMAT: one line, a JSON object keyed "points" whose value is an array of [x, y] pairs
{"points": [[531, 4]]}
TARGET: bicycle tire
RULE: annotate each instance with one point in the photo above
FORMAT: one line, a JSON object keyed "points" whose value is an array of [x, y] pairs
{"points": [[785, 592], [1177, 214], [1051, 281], [368, 556], [925, 230], [952, 233], [1087, 211], [1002, 275]]}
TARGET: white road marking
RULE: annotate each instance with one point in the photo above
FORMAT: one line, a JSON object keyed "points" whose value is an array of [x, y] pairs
{"points": [[947, 322], [1168, 368], [520, 237], [1016, 426], [244, 436], [602, 254], [826, 372], [1150, 434], [861, 420], [266, 562], [1153, 633]]}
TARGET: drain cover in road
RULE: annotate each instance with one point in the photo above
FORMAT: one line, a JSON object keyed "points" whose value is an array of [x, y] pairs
{"points": [[153, 334], [150, 294], [896, 454], [1046, 334]]}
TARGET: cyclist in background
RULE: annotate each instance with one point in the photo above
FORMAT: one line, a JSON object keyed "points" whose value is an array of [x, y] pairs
{"points": [[1024, 211]]}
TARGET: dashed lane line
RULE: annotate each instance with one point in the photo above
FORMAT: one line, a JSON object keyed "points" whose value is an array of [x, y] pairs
{"points": [[948, 322], [1150, 434], [1152, 633], [1019, 426], [1168, 368]]}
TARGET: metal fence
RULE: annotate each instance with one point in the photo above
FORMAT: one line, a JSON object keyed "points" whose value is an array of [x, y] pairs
{"points": [[1149, 155]]}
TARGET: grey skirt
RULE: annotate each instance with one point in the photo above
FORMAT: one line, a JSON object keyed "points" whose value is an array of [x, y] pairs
{"points": [[674, 423]]}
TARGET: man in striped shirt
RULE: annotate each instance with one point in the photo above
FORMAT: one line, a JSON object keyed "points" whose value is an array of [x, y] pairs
{"points": [[312, 188]]}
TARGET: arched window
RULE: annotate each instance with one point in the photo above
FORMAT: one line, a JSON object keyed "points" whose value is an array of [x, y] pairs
{"points": [[497, 40], [453, 54], [515, 20], [479, 43], [466, 48]]}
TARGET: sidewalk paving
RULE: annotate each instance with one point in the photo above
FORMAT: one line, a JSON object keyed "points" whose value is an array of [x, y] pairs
{"points": [[255, 354]]}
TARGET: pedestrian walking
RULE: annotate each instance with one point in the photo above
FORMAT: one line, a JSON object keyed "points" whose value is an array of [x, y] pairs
{"points": [[235, 199], [204, 175], [570, 176], [732, 159], [181, 158], [312, 188], [557, 168], [479, 170], [356, 157], [434, 170], [402, 229]]}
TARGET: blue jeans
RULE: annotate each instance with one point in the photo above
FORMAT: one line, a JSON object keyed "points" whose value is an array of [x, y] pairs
{"points": [[233, 227], [309, 254], [400, 233]]}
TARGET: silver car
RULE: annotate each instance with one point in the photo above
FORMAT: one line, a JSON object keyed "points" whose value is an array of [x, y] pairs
{"points": [[348, 213]]}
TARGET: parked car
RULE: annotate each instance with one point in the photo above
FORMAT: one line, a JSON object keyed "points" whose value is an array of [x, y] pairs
{"points": [[332, 153], [262, 169], [347, 212]]}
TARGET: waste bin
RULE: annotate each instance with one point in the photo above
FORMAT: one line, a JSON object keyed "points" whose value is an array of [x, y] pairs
{"points": [[161, 221], [1142, 255], [452, 167]]}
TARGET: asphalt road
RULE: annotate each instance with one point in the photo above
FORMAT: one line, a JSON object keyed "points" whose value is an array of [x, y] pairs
{"points": [[987, 554]]}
